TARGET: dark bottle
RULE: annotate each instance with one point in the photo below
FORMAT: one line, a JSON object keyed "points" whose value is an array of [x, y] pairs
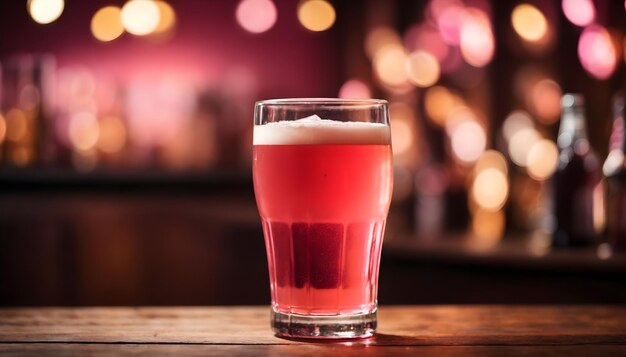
{"points": [[615, 174], [575, 179]]}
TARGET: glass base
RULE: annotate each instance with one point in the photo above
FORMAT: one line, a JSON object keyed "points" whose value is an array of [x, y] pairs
{"points": [[324, 327]]}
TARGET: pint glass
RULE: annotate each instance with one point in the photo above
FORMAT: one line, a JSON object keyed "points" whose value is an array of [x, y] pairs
{"points": [[323, 181]]}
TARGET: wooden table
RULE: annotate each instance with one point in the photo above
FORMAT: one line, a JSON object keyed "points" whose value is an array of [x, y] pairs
{"points": [[244, 331]]}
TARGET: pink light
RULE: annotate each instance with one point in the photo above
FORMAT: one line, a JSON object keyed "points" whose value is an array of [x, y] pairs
{"points": [[453, 61], [158, 108], [579, 12], [256, 16], [424, 37], [477, 42], [596, 52], [354, 89], [437, 7], [449, 23]]}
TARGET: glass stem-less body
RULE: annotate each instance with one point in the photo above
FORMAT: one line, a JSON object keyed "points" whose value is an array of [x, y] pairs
{"points": [[323, 178], [323, 210]]}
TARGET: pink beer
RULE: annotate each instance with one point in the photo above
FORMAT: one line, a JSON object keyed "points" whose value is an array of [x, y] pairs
{"points": [[323, 190]]}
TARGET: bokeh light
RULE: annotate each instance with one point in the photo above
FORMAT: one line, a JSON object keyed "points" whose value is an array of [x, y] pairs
{"points": [[579, 12], [520, 144], [422, 69], [16, 125], [545, 98], [487, 227], [389, 65], [436, 8], [112, 136], [167, 18], [426, 38], [316, 15], [402, 127], [490, 189], [468, 140], [84, 131], [596, 52], [3, 128], [256, 16], [439, 102], [477, 41], [45, 11], [401, 136], [529, 22], [458, 115], [614, 160], [491, 159], [354, 89], [542, 159], [22, 155], [106, 24], [380, 37], [449, 17], [140, 17], [516, 121]]}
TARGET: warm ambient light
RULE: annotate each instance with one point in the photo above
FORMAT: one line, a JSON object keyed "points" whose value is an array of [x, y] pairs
{"points": [[422, 69], [542, 159], [596, 52], [16, 125], [491, 159], [520, 144], [167, 19], [84, 131], [529, 22], [579, 12], [402, 127], [3, 128], [106, 24], [545, 97], [488, 227], [380, 37], [316, 15], [389, 64], [468, 140], [514, 122], [256, 16], [112, 136], [613, 161], [22, 156], [401, 135], [354, 89], [477, 42], [439, 102], [140, 17], [45, 11], [490, 189]]}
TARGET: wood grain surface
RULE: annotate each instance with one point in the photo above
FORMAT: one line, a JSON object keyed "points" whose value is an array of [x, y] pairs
{"points": [[403, 330]]}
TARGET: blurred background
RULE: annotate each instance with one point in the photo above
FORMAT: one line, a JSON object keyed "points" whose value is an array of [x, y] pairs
{"points": [[125, 144]]}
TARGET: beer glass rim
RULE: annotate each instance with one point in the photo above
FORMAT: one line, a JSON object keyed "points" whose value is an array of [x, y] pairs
{"points": [[338, 102]]}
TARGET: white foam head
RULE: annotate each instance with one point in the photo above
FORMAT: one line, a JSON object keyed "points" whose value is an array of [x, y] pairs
{"points": [[314, 130]]}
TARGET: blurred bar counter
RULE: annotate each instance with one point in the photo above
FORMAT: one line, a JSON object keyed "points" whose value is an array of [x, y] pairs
{"points": [[101, 238]]}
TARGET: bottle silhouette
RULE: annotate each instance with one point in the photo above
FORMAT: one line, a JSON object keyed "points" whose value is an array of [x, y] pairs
{"points": [[575, 179], [615, 175]]}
